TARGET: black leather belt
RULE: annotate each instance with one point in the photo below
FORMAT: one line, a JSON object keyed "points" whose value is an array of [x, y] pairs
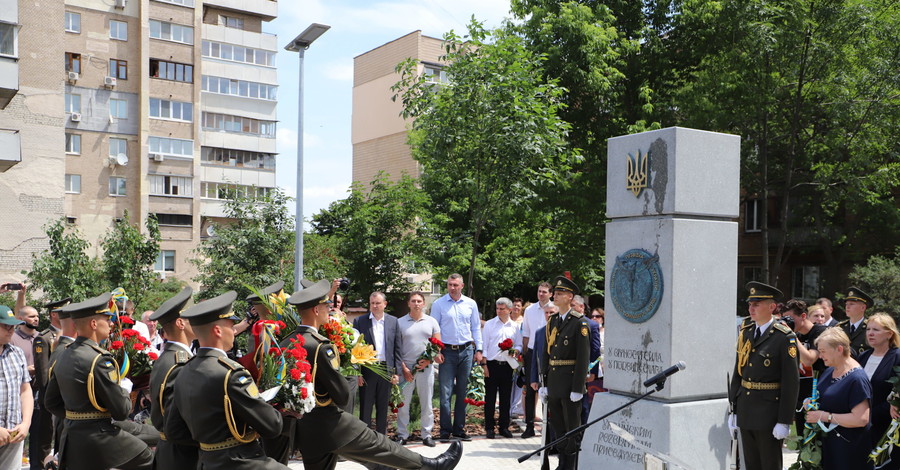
{"points": [[457, 347]]}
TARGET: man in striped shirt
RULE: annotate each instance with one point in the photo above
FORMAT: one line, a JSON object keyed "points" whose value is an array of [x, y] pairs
{"points": [[16, 400]]}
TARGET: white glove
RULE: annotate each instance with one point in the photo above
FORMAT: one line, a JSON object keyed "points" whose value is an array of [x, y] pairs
{"points": [[542, 392], [575, 396], [126, 384], [781, 431], [732, 423]]}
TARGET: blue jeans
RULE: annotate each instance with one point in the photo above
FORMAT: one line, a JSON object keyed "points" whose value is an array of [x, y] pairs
{"points": [[456, 367]]}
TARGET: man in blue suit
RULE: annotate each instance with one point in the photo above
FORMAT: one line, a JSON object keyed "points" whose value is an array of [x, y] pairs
{"points": [[382, 332], [578, 304]]}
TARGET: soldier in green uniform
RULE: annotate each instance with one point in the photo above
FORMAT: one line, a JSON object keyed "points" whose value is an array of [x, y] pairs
{"points": [[565, 367], [765, 381], [855, 304], [220, 407], [85, 389], [41, 440], [327, 431], [66, 337], [177, 351]]}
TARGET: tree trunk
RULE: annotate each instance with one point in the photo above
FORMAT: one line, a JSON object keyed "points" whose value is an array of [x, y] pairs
{"points": [[469, 282]]}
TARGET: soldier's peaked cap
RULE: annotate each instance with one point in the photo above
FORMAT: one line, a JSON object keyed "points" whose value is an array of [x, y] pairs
{"points": [[566, 284], [216, 308], [57, 305], [269, 290], [854, 293], [171, 309], [311, 296], [87, 308], [760, 291]]}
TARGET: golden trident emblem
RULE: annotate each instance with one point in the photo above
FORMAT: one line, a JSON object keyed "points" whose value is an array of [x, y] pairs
{"points": [[638, 174]]}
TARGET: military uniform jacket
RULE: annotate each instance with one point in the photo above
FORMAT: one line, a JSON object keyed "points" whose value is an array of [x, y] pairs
{"points": [[84, 379], [565, 366], [198, 409], [64, 342], [162, 385], [43, 345], [765, 381], [858, 342], [327, 427]]}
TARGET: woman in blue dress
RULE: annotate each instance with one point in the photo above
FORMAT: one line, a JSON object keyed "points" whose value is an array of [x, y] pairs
{"points": [[879, 363], [845, 397]]}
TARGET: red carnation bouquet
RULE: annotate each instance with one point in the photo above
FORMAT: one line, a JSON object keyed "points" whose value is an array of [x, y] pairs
{"points": [[508, 353], [286, 378], [432, 348], [131, 350]]}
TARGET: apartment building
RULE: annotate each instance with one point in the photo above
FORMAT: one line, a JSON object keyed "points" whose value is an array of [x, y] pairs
{"points": [[378, 133], [161, 107]]}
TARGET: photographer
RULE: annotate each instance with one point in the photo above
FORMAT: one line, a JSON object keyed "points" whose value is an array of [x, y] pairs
{"points": [[797, 316]]}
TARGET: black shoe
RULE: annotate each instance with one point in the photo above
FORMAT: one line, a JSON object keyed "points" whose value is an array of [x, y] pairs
{"points": [[462, 436], [505, 433], [490, 434], [428, 441], [403, 441], [529, 432], [446, 461], [445, 438]]}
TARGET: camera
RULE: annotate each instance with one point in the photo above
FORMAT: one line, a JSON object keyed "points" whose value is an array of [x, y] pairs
{"points": [[344, 283], [252, 316], [14, 286], [789, 321]]}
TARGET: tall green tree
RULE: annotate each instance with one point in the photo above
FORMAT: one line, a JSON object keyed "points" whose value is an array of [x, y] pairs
{"points": [[376, 231], [65, 269], [128, 255], [487, 142]]}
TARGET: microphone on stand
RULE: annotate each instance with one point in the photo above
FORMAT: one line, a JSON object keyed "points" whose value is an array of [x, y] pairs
{"points": [[662, 376]]}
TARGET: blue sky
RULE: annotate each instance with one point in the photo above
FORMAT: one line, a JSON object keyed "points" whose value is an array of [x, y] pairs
{"points": [[357, 26]]}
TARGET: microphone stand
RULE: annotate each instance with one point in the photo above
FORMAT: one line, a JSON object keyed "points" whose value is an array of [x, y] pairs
{"points": [[659, 386]]}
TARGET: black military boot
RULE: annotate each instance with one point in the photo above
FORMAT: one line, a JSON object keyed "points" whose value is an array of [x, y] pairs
{"points": [[563, 461], [446, 461]]}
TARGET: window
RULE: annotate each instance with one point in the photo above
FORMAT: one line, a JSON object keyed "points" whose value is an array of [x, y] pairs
{"points": [[237, 124], [231, 22], [117, 146], [806, 282], [237, 158], [118, 30], [73, 103], [752, 273], [171, 71], [73, 62], [163, 185], [176, 110], [753, 215], [172, 147], [8, 32], [227, 191], [73, 184], [171, 32], [165, 261], [73, 144], [118, 68], [184, 3], [238, 53], [116, 186], [227, 86], [181, 220], [435, 74], [73, 22], [118, 109]]}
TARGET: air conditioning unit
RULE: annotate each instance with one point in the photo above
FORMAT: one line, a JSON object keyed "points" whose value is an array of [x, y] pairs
{"points": [[120, 3], [76, 117], [73, 76], [109, 81], [157, 157]]}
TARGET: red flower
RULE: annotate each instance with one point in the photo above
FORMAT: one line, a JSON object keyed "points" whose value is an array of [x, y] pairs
{"points": [[296, 374], [506, 344], [126, 320], [128, 333], [436, 342], [144, 340], [153, 356], [304, 393], [116, 345], [274, 351], [138, 346]]}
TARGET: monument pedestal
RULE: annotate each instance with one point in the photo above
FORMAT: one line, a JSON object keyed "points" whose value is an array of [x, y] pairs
{"points": [[693, 433]]}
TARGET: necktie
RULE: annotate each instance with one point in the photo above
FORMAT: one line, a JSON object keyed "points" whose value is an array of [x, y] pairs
{"points": [[852, 329], [756, 335]]}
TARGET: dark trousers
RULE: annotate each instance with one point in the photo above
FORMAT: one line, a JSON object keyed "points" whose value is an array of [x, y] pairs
{"points": [[530, 393], [371, 449], [376, 393], [499, 379], [281, 447], [41, 439], [453, 377], [353, 382], [761, 450], [565, 415]]}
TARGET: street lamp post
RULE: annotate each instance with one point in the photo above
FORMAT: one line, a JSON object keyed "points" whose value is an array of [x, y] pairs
{"points": [[299, 45]]}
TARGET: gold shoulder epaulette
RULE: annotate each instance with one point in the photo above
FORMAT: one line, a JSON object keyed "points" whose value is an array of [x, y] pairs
{"points": [[230, 364], [782, 328], [843, 322]]}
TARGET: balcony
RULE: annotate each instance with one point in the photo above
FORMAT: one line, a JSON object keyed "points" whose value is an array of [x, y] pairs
{"points": [[9, 80], [267, 9], [10, 149]]}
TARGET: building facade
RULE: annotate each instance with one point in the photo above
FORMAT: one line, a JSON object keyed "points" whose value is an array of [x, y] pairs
{"points": [[164, 106]]}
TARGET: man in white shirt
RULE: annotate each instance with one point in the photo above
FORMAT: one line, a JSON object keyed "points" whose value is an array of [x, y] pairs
{"points": [[534, 320], [380, 331], [497, 371], [828, 309], [156, 341]]}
